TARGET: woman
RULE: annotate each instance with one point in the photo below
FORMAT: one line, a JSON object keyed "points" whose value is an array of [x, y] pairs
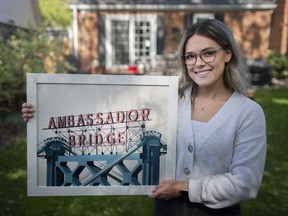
{"points": [[221, 140]]}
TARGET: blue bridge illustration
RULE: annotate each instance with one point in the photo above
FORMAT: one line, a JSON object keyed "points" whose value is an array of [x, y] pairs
{"points": [[136, 162]]}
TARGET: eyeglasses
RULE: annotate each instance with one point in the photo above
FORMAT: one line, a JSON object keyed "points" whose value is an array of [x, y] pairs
{"points": [[206, 56]]}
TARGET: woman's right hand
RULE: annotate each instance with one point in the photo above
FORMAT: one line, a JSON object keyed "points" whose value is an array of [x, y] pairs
{"points": [[27, 111]]}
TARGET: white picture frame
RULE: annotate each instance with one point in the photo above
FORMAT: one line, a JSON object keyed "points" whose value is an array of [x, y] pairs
{"points": [[91, 134]]}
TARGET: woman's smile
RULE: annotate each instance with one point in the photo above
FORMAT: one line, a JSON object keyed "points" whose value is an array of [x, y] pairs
{"points": [[201, 73]]}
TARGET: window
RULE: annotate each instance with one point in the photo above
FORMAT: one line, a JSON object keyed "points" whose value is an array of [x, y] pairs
{"points": [[200, 16], [129, 39]]}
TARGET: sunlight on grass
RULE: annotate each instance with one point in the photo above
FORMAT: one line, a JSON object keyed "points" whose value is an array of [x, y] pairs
{"points": [[280, 101], [19, 173]]}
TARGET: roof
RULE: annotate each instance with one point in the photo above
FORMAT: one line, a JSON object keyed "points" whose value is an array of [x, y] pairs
{"points": [[193, 5], [21, 13]]}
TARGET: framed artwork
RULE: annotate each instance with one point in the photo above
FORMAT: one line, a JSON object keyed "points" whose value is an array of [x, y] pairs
{"points": [[100, 134]]}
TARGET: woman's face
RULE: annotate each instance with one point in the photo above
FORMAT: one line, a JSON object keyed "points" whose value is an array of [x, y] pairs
{"points": [[209, 73]]}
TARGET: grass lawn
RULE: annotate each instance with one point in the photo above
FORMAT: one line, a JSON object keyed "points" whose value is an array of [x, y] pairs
{"points": [[273, 195], [272, 198]]}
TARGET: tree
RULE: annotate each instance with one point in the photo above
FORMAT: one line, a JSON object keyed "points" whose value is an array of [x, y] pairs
{"points": [[55, 13], [26, 51]]}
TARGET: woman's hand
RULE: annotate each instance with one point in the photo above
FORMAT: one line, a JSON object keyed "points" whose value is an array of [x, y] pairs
{"points": [[27, 111], [168, 189]]}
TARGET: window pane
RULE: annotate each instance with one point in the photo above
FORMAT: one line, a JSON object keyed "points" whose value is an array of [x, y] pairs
{"points": [[120, 42], [142, 40]]}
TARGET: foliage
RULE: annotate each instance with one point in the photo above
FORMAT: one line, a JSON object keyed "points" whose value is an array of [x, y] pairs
{"points": [[279, 62], [55, 13], [24, 52], [272, 198]]}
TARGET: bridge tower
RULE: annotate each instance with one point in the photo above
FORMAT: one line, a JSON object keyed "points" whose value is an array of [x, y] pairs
{"points": [[151, 158]]}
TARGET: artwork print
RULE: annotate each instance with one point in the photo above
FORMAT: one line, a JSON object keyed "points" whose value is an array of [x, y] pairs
{"points": [[100, 134]]}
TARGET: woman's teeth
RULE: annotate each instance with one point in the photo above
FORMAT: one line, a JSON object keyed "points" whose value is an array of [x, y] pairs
{"points": [[202, 72]]}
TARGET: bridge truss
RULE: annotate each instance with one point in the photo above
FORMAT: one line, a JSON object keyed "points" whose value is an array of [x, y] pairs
{"points": [[133, 161]]}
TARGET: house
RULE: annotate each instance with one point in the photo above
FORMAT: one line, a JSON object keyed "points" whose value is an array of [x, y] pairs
{"points": [[18, 14], [111, 36]]}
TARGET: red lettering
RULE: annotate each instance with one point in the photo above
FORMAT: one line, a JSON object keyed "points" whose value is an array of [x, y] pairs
{"points": [[90, 139], [51, 123], [120, 137], [71, 140], [131, 117], [98, 139], [81, 139], [99, 118], [89, 119], [120, 116], [109, 118], [80, 121], [61, 122], [70, 120], [145, 114], [110, 138]]}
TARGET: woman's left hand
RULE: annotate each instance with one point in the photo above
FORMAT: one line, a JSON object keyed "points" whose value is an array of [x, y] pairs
{"points": [[168, 189]]}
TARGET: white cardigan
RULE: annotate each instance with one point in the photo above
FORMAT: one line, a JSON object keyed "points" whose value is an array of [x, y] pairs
{"points": [[227, 165]]}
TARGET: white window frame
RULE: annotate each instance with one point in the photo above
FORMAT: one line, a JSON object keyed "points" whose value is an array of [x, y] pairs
{"points": [[197, 16], [131, 18]]}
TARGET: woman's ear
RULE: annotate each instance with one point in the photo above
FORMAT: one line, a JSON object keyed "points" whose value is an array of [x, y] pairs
{"points": [[228, 55]]}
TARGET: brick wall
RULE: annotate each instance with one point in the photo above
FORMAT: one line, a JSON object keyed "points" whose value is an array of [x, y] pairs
{"points": [[279, 28], [174, 27], [251, 31], [87, 40]]}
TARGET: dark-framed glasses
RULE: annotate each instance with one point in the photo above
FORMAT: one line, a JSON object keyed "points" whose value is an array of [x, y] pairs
{"points": [[206, 56]]}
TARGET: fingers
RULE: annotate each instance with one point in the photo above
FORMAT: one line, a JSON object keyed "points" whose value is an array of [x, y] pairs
{"points": [[26, 117], [27, 111], [166, 190], [27, 105], [156, 192]]}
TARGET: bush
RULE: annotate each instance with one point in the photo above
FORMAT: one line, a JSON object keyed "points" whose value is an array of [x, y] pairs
{"points": [[24, 52], [279, 62]]}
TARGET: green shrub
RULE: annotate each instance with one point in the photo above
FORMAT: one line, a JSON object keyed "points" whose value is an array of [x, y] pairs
{"points": [[279, 62], [24, 52]]}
